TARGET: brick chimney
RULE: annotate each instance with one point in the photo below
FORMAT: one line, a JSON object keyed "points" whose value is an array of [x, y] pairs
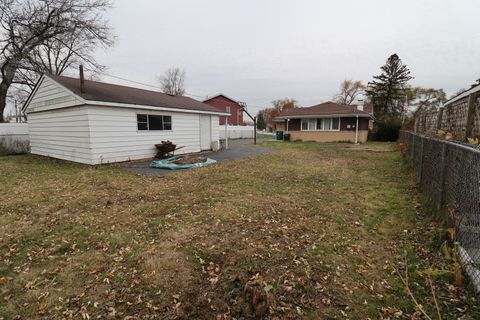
{"points": [[82, 80], [360, 105]]}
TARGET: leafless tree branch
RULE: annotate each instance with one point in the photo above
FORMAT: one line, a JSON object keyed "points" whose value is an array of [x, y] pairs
{"points": [[349, 91], [173, 82], [48, 36]]}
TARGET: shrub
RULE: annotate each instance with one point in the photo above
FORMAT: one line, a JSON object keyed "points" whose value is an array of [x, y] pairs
{"points": [[387, 129]]}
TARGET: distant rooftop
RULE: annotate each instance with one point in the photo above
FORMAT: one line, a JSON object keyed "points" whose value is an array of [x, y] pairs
{"points": [[324, 110]]}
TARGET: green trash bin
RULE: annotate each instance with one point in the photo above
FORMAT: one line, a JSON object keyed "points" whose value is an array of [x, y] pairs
{"points": [[279, 135]]}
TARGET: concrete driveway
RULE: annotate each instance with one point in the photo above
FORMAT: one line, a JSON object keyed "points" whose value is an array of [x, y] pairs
{"points": [[237, 149]]}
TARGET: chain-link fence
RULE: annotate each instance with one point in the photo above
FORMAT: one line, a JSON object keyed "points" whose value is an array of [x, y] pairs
{"points": [[449, 175]]}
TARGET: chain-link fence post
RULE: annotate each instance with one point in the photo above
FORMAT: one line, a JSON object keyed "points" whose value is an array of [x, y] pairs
{"points": [[420, 167], [412, 148], [443, 163]]}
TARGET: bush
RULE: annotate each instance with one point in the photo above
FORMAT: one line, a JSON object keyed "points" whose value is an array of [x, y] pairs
{"points": [[387, 129]]}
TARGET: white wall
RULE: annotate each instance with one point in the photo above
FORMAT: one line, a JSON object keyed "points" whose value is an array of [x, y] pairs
{"points": [[114, 135], [14, 138], [50, 95], [215, 128], [237, 132], [62, 134]]}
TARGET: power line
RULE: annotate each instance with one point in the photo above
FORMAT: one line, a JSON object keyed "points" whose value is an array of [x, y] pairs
{"points": [[156, 87], [148, 84]]}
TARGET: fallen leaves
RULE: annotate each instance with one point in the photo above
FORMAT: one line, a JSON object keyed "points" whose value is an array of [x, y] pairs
{"points": [[212, 271], [302, 233]]}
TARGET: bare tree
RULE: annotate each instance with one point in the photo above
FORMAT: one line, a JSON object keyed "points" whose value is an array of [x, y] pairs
{"points": [[284, 104], [349, 91], [173, 82], [60, 54], [47, 36], [425, 99]]}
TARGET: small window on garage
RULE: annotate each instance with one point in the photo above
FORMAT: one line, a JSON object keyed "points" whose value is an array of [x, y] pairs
{"points": [[150, 122], [142, 122], [155, 122], [167, 122]]}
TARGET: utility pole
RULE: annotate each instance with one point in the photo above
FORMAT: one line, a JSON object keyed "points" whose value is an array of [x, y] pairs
{"points": [[255, 130], [254, 119]]}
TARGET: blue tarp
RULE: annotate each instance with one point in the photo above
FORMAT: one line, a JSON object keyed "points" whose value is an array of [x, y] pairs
{"points": [[168, 163]]}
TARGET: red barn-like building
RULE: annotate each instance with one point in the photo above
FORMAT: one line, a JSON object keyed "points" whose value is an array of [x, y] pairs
{"points": [[227, 104]]}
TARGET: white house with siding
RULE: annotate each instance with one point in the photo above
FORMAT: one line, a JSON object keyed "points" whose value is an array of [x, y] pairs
{"points": [[94, 122]]}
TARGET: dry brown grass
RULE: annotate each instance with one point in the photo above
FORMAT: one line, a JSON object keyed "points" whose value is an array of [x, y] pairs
{"points": [[311, 230]]}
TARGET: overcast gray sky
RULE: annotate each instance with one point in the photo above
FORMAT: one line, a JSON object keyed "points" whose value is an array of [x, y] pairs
{"points": [[257, 51]]}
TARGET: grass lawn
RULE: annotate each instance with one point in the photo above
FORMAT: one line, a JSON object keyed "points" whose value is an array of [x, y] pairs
{"points": [[313, 231]]}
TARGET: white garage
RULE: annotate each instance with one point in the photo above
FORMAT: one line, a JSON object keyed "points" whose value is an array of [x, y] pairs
{"points": [[94, 122]]}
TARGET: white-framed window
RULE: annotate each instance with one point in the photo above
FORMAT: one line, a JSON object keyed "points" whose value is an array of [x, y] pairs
{"points": [[151, 122], [336, 124], [304, 125], [321, 124]]}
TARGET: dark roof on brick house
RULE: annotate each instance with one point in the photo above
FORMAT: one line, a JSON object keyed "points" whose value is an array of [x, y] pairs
{"points": [[224, 96], [327, 109], [107, 92]]}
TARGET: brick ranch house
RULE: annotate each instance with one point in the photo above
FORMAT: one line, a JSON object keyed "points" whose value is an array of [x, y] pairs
{"points": [[325, 122], [228, 105]]}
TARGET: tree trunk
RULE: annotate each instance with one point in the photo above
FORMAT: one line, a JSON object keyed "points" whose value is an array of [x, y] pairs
{"points": [[8, 73], [3, 101]]}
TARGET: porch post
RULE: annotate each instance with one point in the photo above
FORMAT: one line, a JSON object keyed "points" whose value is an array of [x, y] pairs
{"points": [[356, 131]]}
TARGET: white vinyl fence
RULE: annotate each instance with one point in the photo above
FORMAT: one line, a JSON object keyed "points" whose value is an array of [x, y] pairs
{"points": [[14, 138], [237, 132]]}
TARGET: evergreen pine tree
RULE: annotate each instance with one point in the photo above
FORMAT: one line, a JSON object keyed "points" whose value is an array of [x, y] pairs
{"points": [[387, 90], [260, 120]]}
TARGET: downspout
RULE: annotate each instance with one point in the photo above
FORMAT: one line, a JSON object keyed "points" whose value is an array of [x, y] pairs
{"points": [[356, 131]]}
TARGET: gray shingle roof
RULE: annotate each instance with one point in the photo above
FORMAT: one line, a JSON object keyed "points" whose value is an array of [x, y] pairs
{"points": [[107, 92]]}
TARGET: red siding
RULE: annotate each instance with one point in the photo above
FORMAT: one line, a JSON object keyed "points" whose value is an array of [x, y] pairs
{"points": [[294, 125], [362, 124], [221, 102]]}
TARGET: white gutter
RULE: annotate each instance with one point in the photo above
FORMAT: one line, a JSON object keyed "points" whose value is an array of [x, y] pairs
{"points": [[139, 106], [131, 106]]}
